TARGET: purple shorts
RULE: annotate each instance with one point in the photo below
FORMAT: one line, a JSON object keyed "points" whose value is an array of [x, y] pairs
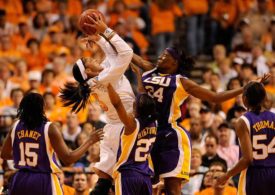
{"points": [[171, 153], [257, 181], [132, 182], [32, 183]]}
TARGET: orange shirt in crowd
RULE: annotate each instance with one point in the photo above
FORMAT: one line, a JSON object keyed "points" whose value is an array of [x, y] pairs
{"points": [[194, 7], [52, 89], [5, 102], [20, 42], [23, 81], [10, 53], [68, 190], [270, 89], [163, 20], [74, 7], [115, 17], [13, 9], [228, 104], [140, 39], [210, 191], [35, 61], [223, 11]]}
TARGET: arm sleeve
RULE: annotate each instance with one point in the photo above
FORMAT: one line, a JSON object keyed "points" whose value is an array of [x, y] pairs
{"points": [[119, 61]]}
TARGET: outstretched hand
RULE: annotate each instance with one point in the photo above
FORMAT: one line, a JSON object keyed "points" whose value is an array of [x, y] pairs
{"points": [[96, 136], [96, 22], [264, 78]]}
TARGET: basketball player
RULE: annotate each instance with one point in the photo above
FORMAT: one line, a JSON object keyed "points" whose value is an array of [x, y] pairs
{"points": [[167, 84], [132, 173], [256, 132], [93, 76], [32, 144]]}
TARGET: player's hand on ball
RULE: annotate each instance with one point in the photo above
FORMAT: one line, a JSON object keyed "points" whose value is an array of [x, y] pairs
{"points": [[96, 22], [96, 136]]}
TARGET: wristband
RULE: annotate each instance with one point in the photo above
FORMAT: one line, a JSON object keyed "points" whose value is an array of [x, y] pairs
{"points": [[108, 33]]}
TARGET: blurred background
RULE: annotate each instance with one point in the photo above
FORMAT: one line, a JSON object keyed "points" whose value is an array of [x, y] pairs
{"points": [[232, 41]]}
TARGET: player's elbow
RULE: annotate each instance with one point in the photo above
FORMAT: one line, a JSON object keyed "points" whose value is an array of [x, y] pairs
{"points": [[248, 159]]}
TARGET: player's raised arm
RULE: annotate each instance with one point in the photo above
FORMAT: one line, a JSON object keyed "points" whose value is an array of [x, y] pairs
{"points": [[113, 46], [246, 148], [66, 156], [127, 119], [141, 63], [199, 92]]}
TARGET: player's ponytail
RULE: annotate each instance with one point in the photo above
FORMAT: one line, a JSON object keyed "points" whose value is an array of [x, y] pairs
{"points": [[146, 108], [76, 94], [255, 94]]}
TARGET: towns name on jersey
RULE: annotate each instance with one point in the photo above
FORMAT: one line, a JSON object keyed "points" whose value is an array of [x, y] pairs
{"points": [[28, 133]]}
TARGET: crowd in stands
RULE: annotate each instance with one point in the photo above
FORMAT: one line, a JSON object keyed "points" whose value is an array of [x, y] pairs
{"points": [[40, 41]]}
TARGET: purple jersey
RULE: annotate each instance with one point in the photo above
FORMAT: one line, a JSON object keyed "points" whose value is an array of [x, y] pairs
{"points": [[32, 150], [169, 94], [134, 149], [262, 133]]}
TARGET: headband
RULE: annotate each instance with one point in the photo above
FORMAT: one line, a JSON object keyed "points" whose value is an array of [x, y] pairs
{"points": [[174, 53], [81, 67]]}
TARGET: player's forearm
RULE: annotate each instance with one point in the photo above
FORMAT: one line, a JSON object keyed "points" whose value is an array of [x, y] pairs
{"points": [[241, 165], [111, 43], [141, 63], [75, 155], [226, 95]]}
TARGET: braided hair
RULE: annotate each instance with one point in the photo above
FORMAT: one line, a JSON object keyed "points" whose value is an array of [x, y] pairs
{"points": [[146, 108], [255, 95], [76, 94], [31, 110], [185, 62]]}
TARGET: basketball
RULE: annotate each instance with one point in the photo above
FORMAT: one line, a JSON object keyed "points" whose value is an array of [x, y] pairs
{"points": [[84, 19]]}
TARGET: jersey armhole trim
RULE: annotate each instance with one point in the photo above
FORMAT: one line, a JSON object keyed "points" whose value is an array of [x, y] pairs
{"points": [[13, 131], [148, 72], [246, 121]]}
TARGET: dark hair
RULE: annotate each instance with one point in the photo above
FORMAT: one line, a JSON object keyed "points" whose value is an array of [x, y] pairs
{"points": [[255, 95], [223, 125], [209, 136], [3, 12], [76, 94], [45, 72], [231, 80], [185, 62], [48, 93], [219, 163], [31, 110], [35, 20], [146, 108], [32, 40]]}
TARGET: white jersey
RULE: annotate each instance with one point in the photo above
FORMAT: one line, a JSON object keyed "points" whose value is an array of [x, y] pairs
{"points": [[115, 65]]}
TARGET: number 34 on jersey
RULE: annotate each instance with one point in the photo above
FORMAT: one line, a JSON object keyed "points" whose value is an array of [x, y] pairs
{"points": [[157, 93]]}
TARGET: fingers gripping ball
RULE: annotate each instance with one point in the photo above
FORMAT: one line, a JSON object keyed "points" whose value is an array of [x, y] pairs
{"points": [[88, 30]]}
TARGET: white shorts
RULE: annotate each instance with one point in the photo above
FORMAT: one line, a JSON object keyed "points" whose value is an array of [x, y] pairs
{"points": [[109, 147]]}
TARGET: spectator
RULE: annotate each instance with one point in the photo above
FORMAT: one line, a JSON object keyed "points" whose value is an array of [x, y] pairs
{"points": [[47, 82], [197, 172], [20, 76], [215, 83], [71, 130], [67, 190], [211, 155], [7, 51], [259, 61], [226, 72], [248, 73], [196, 133], [229, 152], [80, 184], [219, 53], [163, 12], [40, 25], [207, 181], [94, 114], [6, 28], [34, 81], [217, 169], [195, 11], [207, 118], [35, 59]]}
